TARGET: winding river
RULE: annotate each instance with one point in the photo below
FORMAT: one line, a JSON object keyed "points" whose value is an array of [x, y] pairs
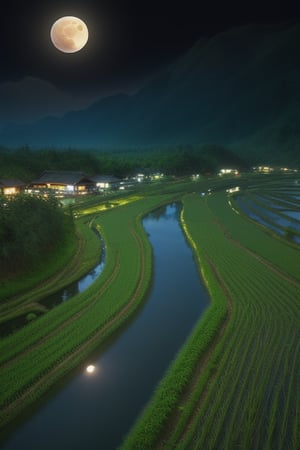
{"points": [[95, 410]]}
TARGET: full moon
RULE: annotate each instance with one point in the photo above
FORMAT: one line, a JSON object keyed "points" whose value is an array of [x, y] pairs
{"points": [[69, 34]]}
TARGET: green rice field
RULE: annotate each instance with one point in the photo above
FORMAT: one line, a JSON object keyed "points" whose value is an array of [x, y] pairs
{"points": [[48, 348], [235, 382], [245, 393]]}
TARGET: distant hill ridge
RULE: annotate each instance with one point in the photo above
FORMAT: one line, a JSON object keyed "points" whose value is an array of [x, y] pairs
{"points": [[239, 88]]}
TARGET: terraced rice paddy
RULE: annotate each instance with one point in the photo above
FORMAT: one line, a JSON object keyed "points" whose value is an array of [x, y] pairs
{"points": [[253, 401], [51, 346], [276, 207], [245, 394], [235, 382]]}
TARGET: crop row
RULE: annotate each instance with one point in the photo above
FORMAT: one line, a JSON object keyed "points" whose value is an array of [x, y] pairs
{"points": [[273, 210], [239, 410], [152, 422], [250, 236], [35, 331], [85, 257], [246, 386], [76, 327], [270, 211]]}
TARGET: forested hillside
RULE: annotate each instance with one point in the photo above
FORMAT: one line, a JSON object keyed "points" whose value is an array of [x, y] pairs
{"points": [[238, 89], [27, 164]]}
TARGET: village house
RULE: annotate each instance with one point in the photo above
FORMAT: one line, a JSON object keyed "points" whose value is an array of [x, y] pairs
{"points": [[106, 182], [62, 182], [11, 187], [228, 172]]}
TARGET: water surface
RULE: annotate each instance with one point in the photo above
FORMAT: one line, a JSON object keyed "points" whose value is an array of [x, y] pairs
{"points": [[60, 296], [95, 411]]}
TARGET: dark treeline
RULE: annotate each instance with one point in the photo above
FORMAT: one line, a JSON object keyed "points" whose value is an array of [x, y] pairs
{"points": [[30, 228], [28, 164]]}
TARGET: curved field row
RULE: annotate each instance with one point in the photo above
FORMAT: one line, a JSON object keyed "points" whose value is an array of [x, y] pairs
{"points": [[249, 382], [160, 418], [54, 344], [85, 257], [276, 209], [234, 384], [250, 391]]}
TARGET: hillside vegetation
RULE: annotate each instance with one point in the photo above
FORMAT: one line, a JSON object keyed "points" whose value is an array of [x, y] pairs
{"points": [[27, 164], [239, 88]]}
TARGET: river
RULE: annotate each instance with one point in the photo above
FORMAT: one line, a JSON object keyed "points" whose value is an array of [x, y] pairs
{"points": [[60, 296], [96, 410]]}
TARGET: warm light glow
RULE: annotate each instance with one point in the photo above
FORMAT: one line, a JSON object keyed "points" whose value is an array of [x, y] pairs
{"points": [[90, 368], [234, 189], [69, 34], [10, 191], [228, 172]]}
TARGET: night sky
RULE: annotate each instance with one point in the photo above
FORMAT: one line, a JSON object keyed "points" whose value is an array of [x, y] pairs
{"points": [[128, 42]]}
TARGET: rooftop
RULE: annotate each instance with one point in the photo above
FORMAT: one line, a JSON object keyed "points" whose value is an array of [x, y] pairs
{"points": [[63, 177], [11, 182]]}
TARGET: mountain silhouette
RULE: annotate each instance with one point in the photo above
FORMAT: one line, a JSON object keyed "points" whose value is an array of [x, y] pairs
{"points": [[239, 88]]}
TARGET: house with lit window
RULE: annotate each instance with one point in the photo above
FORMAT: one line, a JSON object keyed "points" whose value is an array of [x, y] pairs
{"points": [[62, 182], [106, 182], [11, 187]]}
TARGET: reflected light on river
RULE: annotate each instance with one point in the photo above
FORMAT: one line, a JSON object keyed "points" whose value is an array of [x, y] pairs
{"points": [[90, 369], [113, 388]]}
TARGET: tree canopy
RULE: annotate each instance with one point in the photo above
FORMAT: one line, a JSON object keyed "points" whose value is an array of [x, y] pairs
{"points": [[30, 228]]}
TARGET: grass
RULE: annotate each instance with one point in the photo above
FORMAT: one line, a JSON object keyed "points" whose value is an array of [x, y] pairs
{"points": [[251, 387], [67, 265]]}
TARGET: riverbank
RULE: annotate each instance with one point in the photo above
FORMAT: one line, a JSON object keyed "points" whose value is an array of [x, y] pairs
{"points": [[48, 348], [127, 370], [249, 382], [75, 257], [237, 385]]}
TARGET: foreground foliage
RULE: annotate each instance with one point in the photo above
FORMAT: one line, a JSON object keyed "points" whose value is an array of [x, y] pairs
{"points": [[30, 229], [72, 260]]}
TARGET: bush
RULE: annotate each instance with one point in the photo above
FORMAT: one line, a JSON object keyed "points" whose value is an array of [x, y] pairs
{"points": [[30, 228], [30, 317]]}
